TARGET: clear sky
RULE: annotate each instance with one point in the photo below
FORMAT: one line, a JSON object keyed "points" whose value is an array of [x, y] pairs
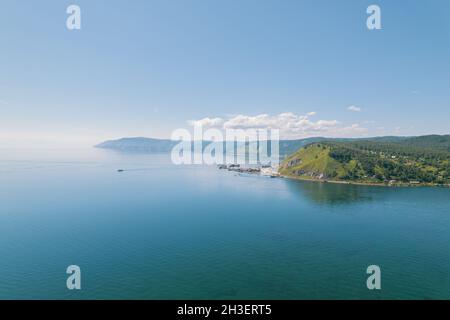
{"points": [[145, 68]]}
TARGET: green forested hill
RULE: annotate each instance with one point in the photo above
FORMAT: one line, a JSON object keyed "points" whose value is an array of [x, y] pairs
{"points": [[412, 160]]}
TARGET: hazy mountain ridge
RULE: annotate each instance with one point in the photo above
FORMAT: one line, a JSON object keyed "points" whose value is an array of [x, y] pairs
{"points": [[150, 145], [139, 144]]}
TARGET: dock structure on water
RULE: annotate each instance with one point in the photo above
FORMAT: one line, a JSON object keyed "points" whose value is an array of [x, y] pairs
{"points": [[265, 170]]}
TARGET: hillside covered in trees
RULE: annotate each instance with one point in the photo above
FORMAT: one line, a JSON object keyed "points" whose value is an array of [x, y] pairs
{"points": [[415, 160]]}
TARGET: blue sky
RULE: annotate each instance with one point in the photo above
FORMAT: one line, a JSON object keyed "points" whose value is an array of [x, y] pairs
{"points": [[145, 68]]}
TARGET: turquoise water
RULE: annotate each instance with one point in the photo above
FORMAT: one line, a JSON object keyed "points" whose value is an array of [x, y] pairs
{"points": [[158, 231]]}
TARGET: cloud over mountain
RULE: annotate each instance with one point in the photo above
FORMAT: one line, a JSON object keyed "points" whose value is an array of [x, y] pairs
{"points": [[291, 125]]}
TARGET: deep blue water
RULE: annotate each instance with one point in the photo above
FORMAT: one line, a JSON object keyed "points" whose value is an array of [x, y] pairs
{"points": [[158, 231]]}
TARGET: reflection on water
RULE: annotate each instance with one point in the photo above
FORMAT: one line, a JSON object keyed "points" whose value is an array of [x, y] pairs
{"points": [[332, 193]]}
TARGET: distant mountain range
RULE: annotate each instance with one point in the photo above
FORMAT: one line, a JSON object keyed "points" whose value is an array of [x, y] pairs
{"points": [[149, 145], [139, 144]]}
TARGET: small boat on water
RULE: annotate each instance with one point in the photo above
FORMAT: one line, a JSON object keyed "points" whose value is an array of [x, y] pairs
{"points": [[120, 170]]}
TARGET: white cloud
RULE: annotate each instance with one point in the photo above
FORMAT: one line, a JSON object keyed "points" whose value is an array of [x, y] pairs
{"points": [[207, 122], [354, 108], [291, 125]]}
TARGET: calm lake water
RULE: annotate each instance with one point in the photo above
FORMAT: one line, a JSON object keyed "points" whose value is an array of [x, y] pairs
{"points": [[158, 231]]}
